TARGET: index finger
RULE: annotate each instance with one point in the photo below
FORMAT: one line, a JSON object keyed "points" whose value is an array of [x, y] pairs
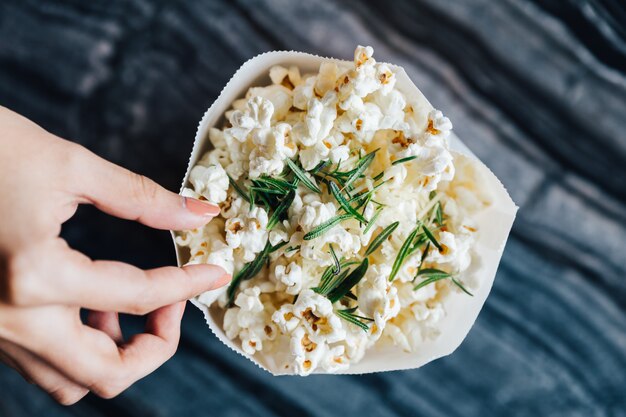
{"points": [[120, 287]]}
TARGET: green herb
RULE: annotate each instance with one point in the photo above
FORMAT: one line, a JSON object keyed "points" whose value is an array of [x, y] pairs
{"points": [[251, 269], [434, 275], [348, 316], [327, 225], [373, 220], [379, 176], [248, 271], [328, 281], [350, 281], [277, 183], [381, 238], [402, 160], [335, 259], [430, 237], [419, 241], [280, 210], [238, 189], [251, 198], [292, 248], [366, 195], [277, 246], [362, 165], [423, 258], [268, 190], [439, 214], [319, 167], [458, 284], [402, 254], [351, 296], [344, 204], [301, 174]]}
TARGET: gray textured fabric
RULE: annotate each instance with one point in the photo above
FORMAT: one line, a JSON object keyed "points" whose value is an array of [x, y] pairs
{"points": [[537, 90]]}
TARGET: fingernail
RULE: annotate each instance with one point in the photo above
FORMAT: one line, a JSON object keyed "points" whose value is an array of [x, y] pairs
{"points": [[200, 208], [223, 280]]}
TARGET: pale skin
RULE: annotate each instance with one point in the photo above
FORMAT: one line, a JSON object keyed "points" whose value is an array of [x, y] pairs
{"points": [[44, 283]]}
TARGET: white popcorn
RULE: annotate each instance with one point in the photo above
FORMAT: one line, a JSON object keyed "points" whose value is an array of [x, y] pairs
{"points": [[248, 322], [438, 124], [318, 318], [248, 233], [303, 93], [289, 77], [315, 213], [291, 276], [329, 121], [211, 182], [280, 97], [318, 121]]}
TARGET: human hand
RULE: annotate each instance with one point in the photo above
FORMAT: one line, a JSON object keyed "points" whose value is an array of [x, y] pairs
{"points": [[44, 283]]}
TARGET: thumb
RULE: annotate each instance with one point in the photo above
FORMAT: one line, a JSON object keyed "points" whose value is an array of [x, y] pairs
{"points": [[125, 194]]}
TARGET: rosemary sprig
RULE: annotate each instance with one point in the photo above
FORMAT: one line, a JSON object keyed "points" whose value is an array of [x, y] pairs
{"points": [[366, 195], [335, 259], [251, 198], [431, 237], [325, 226], [301, 174], [280, 210], [439, 214], [381, 238], [350, 281], [268, 190], [329, 280], [423, 258], [292, 248], [348, 316], [344, 204], [402, 160], [419, 241], [361, 166], [319, 167], [238, 189], [434, 275], [402, 254], [373, 219], [248, 271], [437, 209], [276, 183], [351, 296]]}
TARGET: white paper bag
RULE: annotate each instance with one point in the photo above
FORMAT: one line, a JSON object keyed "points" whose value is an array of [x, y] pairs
{"points": [[494, 224]]}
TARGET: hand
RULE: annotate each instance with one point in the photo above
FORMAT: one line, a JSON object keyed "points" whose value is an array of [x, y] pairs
{"points": [[44, 283]]}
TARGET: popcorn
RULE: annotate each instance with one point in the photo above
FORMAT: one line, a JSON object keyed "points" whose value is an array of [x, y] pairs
{"points": [[210, 182], [291, 276], [306, 297], [257, 115], [247, 321], [248, 233]]}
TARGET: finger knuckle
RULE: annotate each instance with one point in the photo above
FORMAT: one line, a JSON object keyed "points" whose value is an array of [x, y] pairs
{"points": [[73, 159], [17, 281], [110, 388], [139, 309], [107, 391], [68, 395], [143, 188], [146, 298]]}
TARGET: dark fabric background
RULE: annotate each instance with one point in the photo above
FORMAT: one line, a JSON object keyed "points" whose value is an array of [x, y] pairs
{"points": [[536, 89]]}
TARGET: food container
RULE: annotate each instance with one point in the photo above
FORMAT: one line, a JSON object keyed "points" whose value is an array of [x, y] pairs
{"points": [[494, 224]]}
